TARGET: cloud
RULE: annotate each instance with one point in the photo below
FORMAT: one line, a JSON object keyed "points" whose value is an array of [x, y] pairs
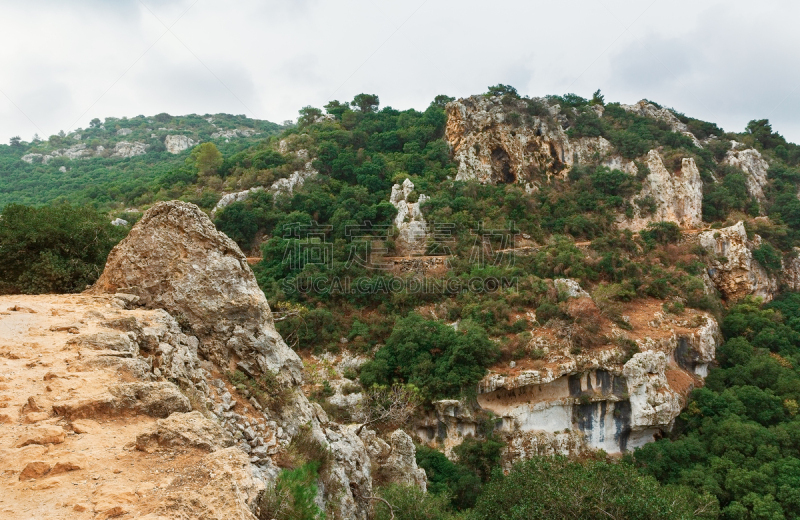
{"points": [[66, 63]]}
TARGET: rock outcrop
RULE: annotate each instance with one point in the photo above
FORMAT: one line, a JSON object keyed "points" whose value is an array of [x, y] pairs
{"points": [[673, 196], [732, 267], [410, 222], [755, 170], [178, 143], [176, 260], [125, 149], [647, 109], [492, 144], [614, 397]]}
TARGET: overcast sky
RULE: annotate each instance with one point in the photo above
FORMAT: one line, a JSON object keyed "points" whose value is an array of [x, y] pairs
{"points": [[64, 63]]}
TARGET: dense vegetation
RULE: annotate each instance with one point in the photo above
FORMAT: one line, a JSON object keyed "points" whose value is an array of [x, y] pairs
{"points": [[108, 182], [739, 438], [735, 451], [53, 249]]}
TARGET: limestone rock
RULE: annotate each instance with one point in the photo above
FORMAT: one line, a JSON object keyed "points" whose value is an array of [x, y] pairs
{"points": [[176, 260], [125, 149], [678, 197], [733, 269], [645, 109], [30, 157], [185, 430], [119, 222], [34, 470], [492, 147], [409, 220], [153, 399], [177, 143], [401, 465], [755, 170], [791, 270], [45, 434], [124, 131], [239, 196], [229, 489], [571, 288]]}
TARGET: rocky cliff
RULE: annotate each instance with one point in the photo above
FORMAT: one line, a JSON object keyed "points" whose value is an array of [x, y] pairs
{"points": [[614, 397], [208, 344]]}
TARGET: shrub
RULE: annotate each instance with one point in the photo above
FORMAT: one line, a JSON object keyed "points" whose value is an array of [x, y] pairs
{"points": [[589, 490], [661, 232], [292, 497], [53, 249], [768, 257], [433, 356]]}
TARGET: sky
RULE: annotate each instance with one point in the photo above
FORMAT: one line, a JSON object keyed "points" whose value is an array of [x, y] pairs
{"points": [[65, 63]]}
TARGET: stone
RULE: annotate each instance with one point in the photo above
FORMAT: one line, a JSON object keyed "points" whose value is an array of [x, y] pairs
{"points": [[43, 434], [185, 430], [490, 147], [119, 222], [175, 259], [401, 464], [646, 109], [177, 143], [678, 197], [153, 399], [754, 167], [410, 223], [732, 268], [64, 467], [124, 131], [107, 341], [34, 470], [124, 149], [570, 288]]}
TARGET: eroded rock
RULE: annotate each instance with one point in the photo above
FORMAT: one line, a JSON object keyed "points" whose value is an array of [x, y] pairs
{"points": [[176, 260], [185, 430]]}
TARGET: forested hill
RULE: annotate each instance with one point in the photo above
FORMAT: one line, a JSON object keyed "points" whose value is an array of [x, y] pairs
{"points": [[120, 160]]}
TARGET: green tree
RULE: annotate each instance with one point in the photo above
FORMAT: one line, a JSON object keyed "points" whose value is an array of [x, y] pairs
{"points": [[207, 159], [15, 141], [556, 488], [53, 249], [502, 90], [433, 356], [366, 103]]}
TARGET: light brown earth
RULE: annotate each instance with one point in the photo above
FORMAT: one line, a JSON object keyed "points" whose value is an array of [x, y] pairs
{"points": [[52, 467]]}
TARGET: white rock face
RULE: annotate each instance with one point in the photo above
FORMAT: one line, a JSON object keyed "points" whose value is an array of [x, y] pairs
{"points": [[29, 158], [596, 399], [124, 131], [791, 270], [733, 269], [571, 288], [227, 134], [754, 167], [177, 143], [295, 180], [678, 197], [409, 221], [119, 222], [239, 196], [125, 149]]}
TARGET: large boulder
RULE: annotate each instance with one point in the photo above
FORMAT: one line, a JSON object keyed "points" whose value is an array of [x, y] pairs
{"points": [[755, 170], [176, 260]]}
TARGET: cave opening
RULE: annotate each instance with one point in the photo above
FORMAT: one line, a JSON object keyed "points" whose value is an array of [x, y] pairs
{"points": [[501, 164]]}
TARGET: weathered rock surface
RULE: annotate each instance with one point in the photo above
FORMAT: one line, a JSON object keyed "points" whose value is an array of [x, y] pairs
{"points": [[125, 149], [606, 397], [491, 147], [755, 170], [409, 221], [178, 143], [678, 196], [176, 260], [152, 399], [646, 109], [185, 429], [732, 267]]}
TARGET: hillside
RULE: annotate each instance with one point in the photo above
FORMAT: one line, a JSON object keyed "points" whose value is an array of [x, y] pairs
{"points": [[116, 161], [526, 277]]}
